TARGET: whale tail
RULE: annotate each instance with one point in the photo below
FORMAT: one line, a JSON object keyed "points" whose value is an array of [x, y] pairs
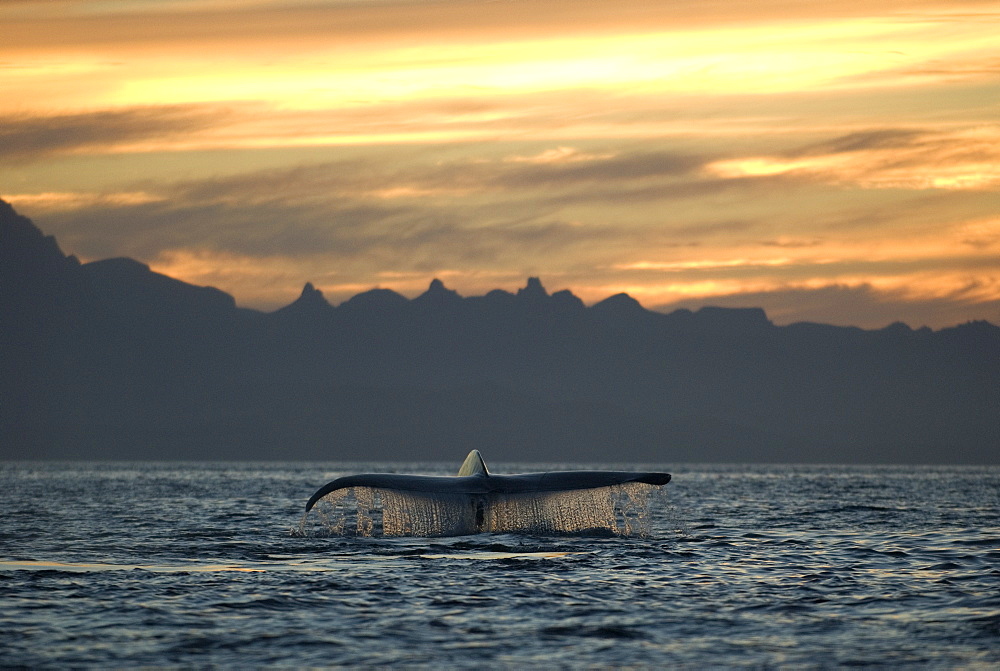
{"points": [[473, 465], [475, 501]]}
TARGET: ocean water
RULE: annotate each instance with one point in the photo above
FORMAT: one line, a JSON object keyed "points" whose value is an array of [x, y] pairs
{"points": [[131, 564]]}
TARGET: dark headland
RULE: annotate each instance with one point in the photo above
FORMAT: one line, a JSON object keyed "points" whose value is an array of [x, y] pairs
{"points": [[109, 360]]}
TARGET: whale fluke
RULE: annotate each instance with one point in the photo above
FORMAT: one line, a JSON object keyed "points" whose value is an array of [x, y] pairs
{"points": [[474, 478]]}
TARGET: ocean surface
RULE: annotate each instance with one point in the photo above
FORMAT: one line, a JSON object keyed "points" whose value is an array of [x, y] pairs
{"points": [[209, 564]]}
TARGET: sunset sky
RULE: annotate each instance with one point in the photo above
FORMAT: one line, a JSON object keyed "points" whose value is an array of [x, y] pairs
{"points": [[828, 161]]}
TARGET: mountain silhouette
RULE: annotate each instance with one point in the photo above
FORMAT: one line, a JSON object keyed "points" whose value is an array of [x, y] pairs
{"points": [[111, 360]]}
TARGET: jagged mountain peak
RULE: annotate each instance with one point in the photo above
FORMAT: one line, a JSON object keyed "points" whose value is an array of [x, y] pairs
{"points": [[311, 300], [438, 294], [24, 248], [533, 290], [311, 294]]}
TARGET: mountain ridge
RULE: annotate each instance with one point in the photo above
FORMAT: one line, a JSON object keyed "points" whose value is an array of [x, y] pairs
{"points": [[109, 359]]}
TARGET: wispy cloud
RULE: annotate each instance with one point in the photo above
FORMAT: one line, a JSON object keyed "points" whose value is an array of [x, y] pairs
{"points": [[31, 138], [885, 159]]}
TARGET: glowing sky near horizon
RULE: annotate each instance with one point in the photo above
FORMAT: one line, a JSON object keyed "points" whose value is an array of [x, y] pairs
{"points": [[828, 161]]}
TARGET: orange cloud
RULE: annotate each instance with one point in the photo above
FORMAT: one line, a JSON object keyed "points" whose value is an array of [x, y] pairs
{"points": [[961, 159]]}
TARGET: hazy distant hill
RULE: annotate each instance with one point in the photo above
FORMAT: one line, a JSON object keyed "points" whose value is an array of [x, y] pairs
{"points": [[112, 360]]}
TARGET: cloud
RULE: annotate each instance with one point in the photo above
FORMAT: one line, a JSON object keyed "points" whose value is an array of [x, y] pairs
{"points": [[788, 242], [339, 209], [427, 207], [77, 22], [283, 228], [31, 138], [631, 167], [468, 179], [959, 159], [73, 201], [868, 140]]}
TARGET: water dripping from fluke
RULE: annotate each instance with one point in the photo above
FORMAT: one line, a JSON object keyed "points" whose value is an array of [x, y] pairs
{"points": [[601, 503]]}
